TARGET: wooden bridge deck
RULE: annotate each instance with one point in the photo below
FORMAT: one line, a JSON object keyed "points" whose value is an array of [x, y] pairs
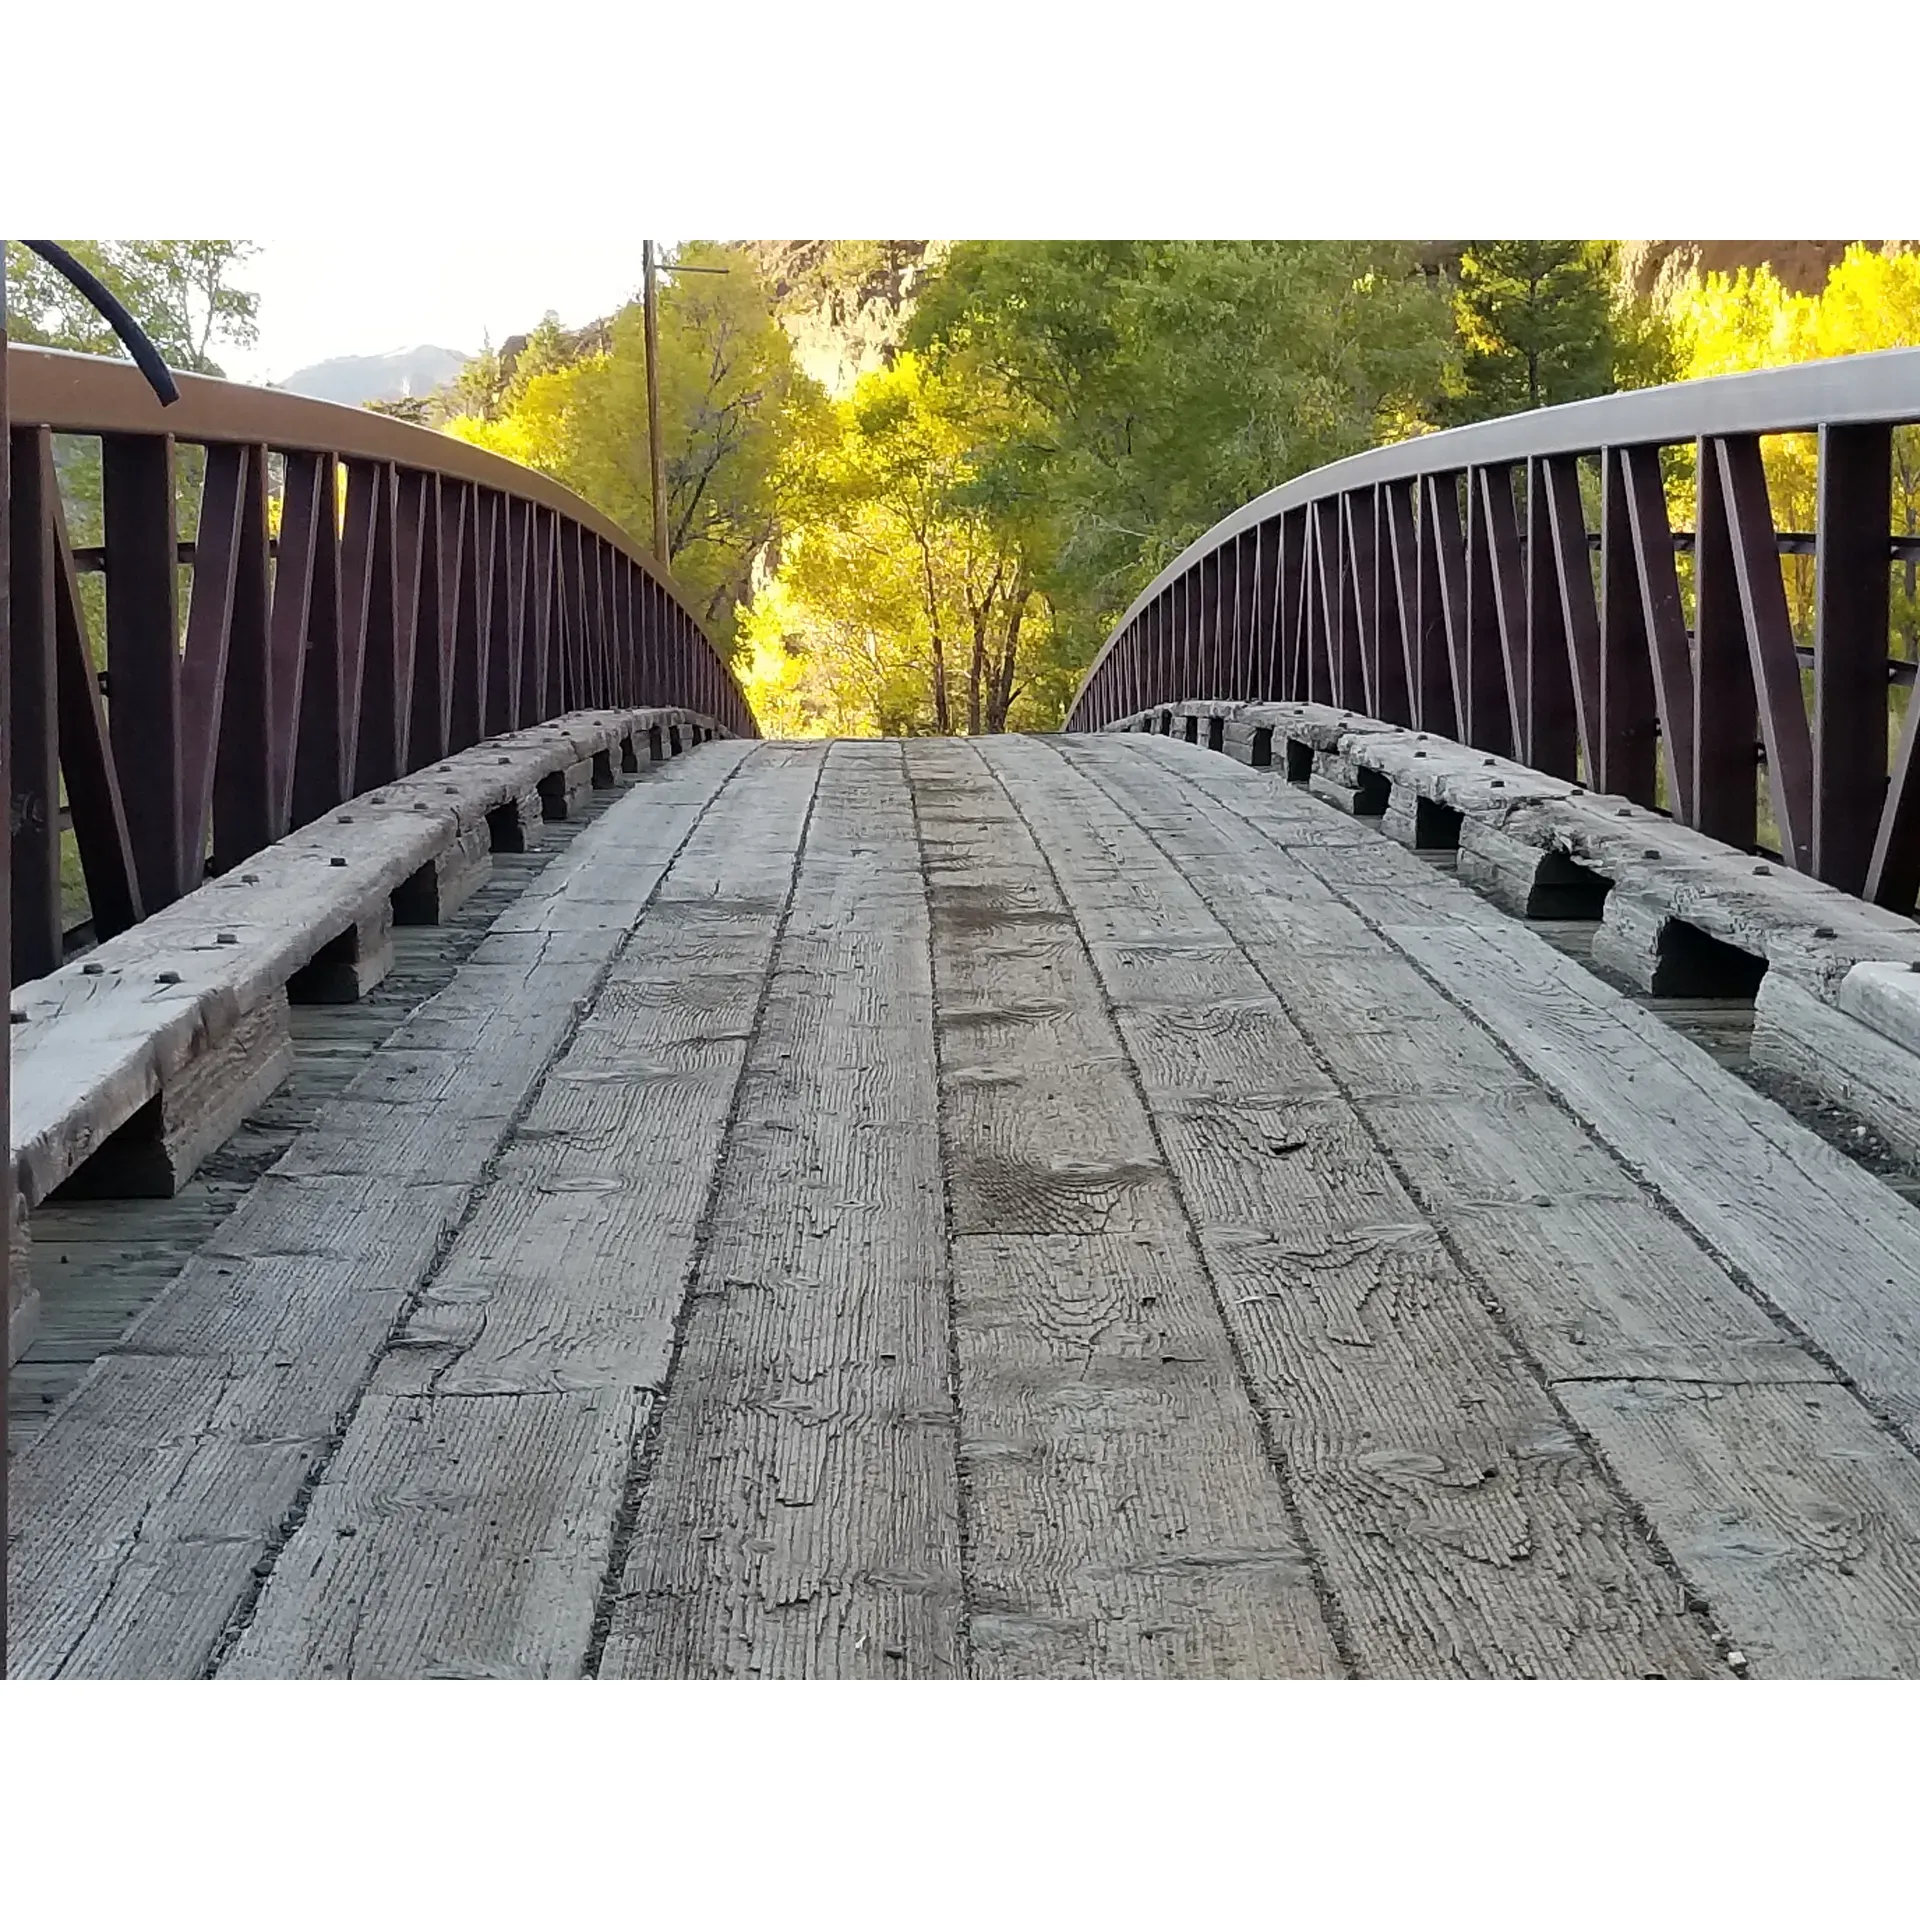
{"points": [[1045, 1207]]}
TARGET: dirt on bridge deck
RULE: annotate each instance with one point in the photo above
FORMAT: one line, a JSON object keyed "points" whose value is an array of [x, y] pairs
{"points": [[1043, 1207]]}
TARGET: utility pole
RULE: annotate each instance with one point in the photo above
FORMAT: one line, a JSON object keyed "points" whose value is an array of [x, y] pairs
{"points": [[656, 481]]}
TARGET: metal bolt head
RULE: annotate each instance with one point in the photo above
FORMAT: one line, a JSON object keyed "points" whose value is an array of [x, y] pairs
{"points": [[1761, 869], [1419, 753], [337, 861], [1496, 783], [419, 806], [167, 979], [376, 799], [226, 939], [249, 879], [15, 1017], [346, 819], [1650, 853], [1576, 788], [1825, 933], [92, 966], [1488, 761]]}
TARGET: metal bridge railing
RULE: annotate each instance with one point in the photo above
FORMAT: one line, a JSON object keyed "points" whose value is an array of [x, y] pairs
{"points": [[1457, 583], [417, 595]]}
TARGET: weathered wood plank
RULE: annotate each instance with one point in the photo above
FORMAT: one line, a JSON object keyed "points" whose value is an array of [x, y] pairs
{"points": [[1833, 1249], [1123, 1517], [1590, 1270], [1608, 1292], [1462, 1526], [230, 1388], [800, 1512], [1789, 1505]]}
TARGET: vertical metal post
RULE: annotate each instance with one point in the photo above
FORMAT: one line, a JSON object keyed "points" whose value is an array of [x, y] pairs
{"points": [[656, 483]]}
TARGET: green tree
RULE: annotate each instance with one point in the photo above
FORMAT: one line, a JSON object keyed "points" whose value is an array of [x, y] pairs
{"points": [[184, 294], [478, 390], [1148, 387], [732, 401], [899, 598], [1544, 321]]}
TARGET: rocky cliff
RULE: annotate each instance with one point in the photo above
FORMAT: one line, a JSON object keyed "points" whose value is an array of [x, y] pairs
{"points": [[1801, 266], [844, 302]]}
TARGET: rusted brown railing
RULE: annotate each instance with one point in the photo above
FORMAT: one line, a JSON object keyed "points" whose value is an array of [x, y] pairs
{"points": [[420, 595], [1454, 583]]}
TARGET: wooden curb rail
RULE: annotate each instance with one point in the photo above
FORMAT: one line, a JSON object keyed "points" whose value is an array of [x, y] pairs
{"points": [[138, 1058], [1838, 994]]}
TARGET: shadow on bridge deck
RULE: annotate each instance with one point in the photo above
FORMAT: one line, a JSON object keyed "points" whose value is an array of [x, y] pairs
{"points": [[1050, 1207]]}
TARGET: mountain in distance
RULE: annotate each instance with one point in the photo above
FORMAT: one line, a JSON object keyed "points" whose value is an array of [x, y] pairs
{"points": [[354, 378]]}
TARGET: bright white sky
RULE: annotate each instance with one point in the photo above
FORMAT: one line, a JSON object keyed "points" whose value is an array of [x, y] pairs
{"points": [[323, 296]]}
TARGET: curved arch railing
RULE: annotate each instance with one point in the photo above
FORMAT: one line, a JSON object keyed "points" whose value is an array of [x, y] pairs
{"points": [[358, 598], [1518, 585]]}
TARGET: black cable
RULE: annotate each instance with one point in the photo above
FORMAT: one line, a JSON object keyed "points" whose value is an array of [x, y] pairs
{"points": [[146, 356]]}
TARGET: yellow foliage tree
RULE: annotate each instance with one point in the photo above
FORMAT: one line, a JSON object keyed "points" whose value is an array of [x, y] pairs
{"points": [[900, 605], [1738, 323]]}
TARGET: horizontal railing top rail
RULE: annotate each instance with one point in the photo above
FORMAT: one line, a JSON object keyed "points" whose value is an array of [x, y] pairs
{"points": [[405, 597], [1880, 389], [1453, 582], [87, 393]]}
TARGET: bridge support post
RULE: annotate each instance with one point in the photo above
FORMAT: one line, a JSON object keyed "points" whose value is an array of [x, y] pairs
{"points": [[350, 965], [562, 794], [437, 891], [516, 825]]}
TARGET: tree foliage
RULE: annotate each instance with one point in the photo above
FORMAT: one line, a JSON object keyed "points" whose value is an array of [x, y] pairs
{"points": [[1546, 321], [184, 294], [1146, 387], [732, 401], [1736, 323], [901, 605]]}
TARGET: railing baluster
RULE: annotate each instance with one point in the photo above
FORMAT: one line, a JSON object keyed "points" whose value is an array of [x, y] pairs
{"points": [[1579, 610], [1851, 585], [1264, 678], [1549, 727], [1392, 697], [305, 499], [319, 711], [143, 652], [1360, 637], [100, 830], [1627, 705], [244, 805], [1496, 589], [1444, 550], [1661, 619], [1725, 796], [1770, 648], [1416, 604], [416, 560], [33, 677], [203, 670]]}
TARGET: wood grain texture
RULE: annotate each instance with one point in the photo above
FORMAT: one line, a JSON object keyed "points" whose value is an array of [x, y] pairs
{"points": [[1586, 1264], [1694, 1395], [1833, 1249], [1462, 1527], [466, 1525], [229, 1390], [1123, 1517], [800, 1511], [1789, 1505]]}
